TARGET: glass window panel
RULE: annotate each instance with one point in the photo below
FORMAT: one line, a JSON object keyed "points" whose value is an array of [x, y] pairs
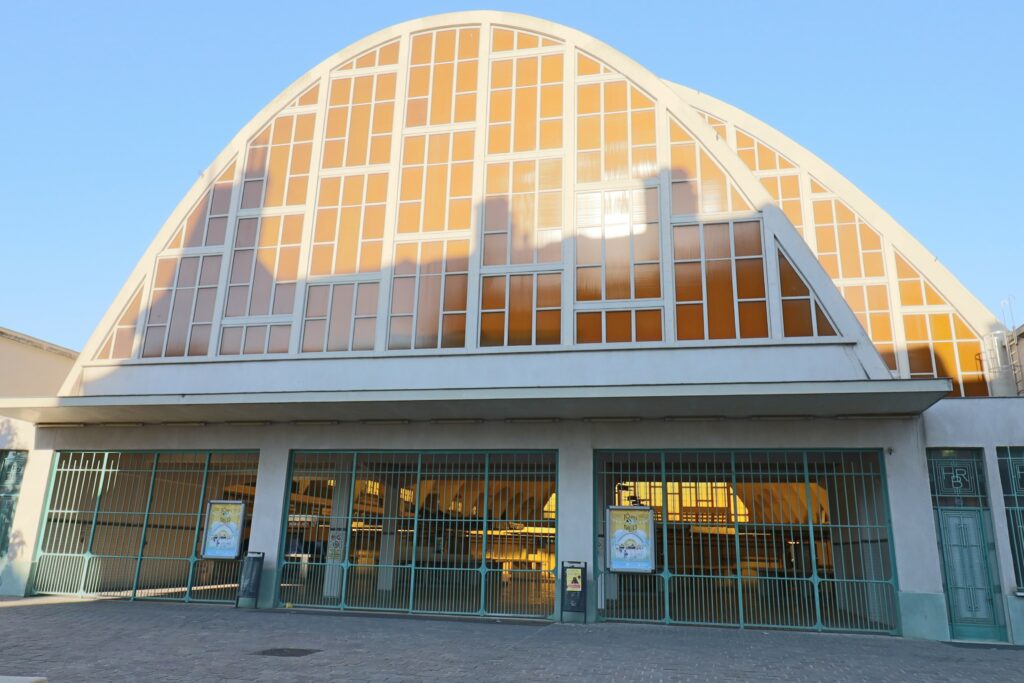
{"points": [[648, 325], [753, 319], [721, 320], [588, 328], [618, 326], [796, 318]]}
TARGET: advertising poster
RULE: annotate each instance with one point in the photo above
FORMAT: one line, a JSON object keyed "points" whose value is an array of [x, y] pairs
{"points": [[573, 579], [222, 539], [630, 533]]}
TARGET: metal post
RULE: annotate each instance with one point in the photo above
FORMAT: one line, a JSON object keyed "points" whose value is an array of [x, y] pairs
{"points": [[814, 552], [348, 534], [415, 532], [665, 573], [483, 542], [92, 531], [145, 527], [736, 539], [195, 535]]}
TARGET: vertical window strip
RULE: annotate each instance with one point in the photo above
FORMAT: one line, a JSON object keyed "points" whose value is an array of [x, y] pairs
{"points": [[360, 116], [720, 290], [615, 132], [521, 309], [436, 184], [525, 106], [119, 341], [618, 245], [181, 305], [443, 77], [870, 303], [699, 184], [277, 163], [340, 317], [939, 341], [428, 295], [264, 266], [802, 314], [349, 231], [523, 212]]}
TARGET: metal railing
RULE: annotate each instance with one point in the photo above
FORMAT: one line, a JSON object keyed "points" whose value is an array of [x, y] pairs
{"points": [[754, 538], [426, 532], [129, 524]]}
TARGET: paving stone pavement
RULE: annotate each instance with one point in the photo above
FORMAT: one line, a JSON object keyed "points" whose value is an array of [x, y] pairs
{"points": [[106, 640]]}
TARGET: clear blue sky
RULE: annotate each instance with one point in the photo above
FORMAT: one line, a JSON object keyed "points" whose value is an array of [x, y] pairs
{"points": [[111, 110]]}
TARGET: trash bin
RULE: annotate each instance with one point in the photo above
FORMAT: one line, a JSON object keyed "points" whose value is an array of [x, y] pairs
{"points": [[249, 580]]}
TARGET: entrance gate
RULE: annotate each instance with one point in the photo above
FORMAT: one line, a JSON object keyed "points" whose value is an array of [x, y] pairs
{"points": [[427, 532], [130, 525], [754, 538], [964, 526]]}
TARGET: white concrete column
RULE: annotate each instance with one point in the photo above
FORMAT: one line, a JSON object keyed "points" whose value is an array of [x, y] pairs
{"points": [[268, 511], [916, 546], [576, 513], [17, 566]]}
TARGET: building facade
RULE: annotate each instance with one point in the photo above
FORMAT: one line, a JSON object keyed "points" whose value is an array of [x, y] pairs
{"points": [[30, 367], [479, 277]]}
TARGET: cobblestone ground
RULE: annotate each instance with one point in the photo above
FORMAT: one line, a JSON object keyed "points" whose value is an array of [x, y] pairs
{"points": [[74, 640]]}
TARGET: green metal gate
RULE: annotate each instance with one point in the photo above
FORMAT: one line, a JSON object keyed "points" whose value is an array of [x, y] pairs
{"points": [[754, 538], [425, 532], [964, 526], [129, 524]]}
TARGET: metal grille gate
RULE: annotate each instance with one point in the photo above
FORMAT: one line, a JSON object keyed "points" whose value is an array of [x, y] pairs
{"points": [[430, 532], [129, 524], [745, 538]]}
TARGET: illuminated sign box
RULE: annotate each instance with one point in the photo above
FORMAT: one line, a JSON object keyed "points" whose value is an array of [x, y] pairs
{"points": [[630, 534], [222, 535]]}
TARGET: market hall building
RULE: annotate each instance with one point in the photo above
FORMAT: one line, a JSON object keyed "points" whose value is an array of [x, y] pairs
{"points": [[479, 277]]}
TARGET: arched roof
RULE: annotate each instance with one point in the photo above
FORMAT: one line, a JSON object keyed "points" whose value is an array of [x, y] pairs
{"points": [[258, 263]]}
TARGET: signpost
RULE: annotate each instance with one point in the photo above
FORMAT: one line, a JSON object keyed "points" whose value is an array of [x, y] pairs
{"points": [[222, 535], [574, 588], [630, 533]]}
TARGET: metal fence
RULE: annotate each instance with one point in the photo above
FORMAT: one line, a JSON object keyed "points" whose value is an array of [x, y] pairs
{"points": [[431, 532], [754, 538], [129, 524]]}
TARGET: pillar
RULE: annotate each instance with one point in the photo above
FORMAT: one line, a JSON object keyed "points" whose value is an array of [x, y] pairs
{"points": [[922, 601], [268, 513], [25, 527], [576, 515]]}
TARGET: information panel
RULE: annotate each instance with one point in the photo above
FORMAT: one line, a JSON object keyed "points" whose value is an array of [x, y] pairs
{"points": [[222, 538], [630, 534]]}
